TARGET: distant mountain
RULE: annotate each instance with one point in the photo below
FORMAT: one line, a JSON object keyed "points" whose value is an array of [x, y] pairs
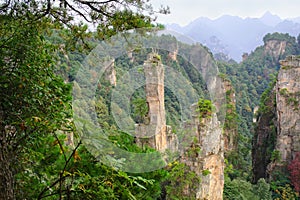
{"points": [[296, 19], [270, 19], [288, 26], [232, 35], [175, 27]]}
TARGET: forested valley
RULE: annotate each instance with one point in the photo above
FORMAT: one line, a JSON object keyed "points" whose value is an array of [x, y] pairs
{"points": [[227, 130]]}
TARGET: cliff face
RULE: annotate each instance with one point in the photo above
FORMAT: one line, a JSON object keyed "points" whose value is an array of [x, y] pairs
{"points": [[110, 73], [230, 127], [280, 122], [264, 139], [205, 134], [156, 134], [275, 48], [208, 163], [287, 112], [173, 55]]}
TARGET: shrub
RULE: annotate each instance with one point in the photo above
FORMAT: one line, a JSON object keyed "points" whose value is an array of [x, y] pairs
{"points": [[294, 170], [263, 190], [205, 108]]}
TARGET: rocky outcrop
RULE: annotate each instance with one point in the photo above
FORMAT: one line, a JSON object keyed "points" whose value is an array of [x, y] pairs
{"points": [[204, 155], [110, 72], [263, 142], [287, 112], [155, 133], [245, 56], [230, 125], [173, 54], [208, 163], [275, 48], [277, 136]]}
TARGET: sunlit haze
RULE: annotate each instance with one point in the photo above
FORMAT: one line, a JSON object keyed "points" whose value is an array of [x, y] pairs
{"points": [[185, 11]]}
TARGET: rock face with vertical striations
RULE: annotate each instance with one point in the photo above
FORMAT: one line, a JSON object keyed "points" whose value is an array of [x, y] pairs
{"points": [[264, 139], [287, 112], [209, 162], [205, 134], [277, 137], [230, 127], [275, 48], [110, 73], [156, 133]]}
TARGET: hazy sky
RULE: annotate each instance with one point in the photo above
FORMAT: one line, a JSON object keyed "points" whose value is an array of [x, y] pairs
{"points": [[185, 11]]}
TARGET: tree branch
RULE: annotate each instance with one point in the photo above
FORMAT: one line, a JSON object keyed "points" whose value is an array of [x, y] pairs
{"points": [[60, 146], [65, 167], [4, 6], [61, 176], [46, 12], [102, 2], [52, 185], [94, 8], [77, 11]]}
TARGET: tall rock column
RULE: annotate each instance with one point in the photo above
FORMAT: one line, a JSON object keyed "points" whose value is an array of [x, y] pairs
{"points": [[209, 162], [110, 73], [264, 138], [230, 125], [277, 135], [204, 135], [154, 74], [155, 133], [287, 112]]}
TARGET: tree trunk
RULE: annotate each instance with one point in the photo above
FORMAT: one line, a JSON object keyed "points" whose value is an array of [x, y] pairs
{"points": [[6, 171]]}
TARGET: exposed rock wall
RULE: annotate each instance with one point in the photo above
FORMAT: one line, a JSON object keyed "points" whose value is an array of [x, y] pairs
{"points": [[264, 139], [205, 134], [230, 126], [156, 133], [173, 55], [287, 112], [278, 128], [275, 48], [212, 156], [110, 73]]}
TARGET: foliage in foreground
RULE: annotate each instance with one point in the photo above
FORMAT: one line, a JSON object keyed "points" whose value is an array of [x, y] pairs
{"points": [[240, 189], [59, 171]]}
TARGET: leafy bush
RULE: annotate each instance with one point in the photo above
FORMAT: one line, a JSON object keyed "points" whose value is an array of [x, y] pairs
{"points": [[205, 108], [238, 189], [285, 193], [140, 109], [280, 37], [182, 179], [263, 190], [294, 170], [275, 155]]}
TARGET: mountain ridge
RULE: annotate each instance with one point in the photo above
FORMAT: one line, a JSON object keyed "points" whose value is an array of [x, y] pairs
{"points": [[233, 35]]}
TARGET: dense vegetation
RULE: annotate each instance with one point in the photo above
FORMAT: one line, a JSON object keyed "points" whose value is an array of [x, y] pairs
{"points": [[38, 158], [253, 80], [41, 154]]}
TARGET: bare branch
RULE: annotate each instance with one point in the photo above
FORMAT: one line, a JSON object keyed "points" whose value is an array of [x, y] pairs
{"points": [[41, 196], [46, 12], [77, 11], [91, 6], [5, 5], [102, 2], [65, 167]]}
